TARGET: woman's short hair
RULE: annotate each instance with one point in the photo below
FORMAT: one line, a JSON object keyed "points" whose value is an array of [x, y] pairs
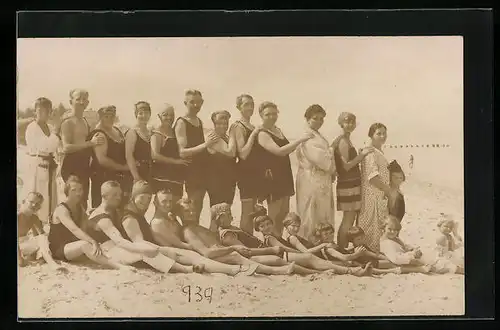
{"points": [[82, 91], [108, 109], [345, 116], [314, 110], [36, 194], [354, 232], [143, 105], [43, 102], [224, 113], [291, 218], [267, 104], [259, 220], [239, 99], [374, 128], [217, 210], [69, 181], [192, 92]]}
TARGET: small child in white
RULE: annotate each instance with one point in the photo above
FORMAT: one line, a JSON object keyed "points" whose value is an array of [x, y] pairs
{"points": [[399, 253], [449, 248]]}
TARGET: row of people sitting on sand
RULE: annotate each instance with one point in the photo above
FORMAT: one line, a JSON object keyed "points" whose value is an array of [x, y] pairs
{"points": [[122, 238]]}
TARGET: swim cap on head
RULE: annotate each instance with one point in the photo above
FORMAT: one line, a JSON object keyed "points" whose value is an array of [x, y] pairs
{"points": [[109, 109], [141, 187]]}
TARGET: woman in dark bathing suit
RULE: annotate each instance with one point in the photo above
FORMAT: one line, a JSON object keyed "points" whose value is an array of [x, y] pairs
{"points": [[247, 168], [108, 161], [168, 170], [275, 172], [137, 144], [221, 162]]}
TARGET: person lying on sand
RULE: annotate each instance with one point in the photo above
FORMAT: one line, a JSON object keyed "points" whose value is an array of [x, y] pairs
{"points": [[38, 244], [105, 226], [233, 236], [67, 240], [208, 244], [264, 224], [449, 250], [405, 256], [138, 230]]}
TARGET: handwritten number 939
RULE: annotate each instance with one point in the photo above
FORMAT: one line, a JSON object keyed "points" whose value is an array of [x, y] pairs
{"points": [[197, 293]]}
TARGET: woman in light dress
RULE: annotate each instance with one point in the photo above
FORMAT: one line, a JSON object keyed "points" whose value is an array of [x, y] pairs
{"points": [[42, 144], [376, 191], [315, 201]]}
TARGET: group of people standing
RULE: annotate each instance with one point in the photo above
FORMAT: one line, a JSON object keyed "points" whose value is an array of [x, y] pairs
{"points": [[123, 170]]}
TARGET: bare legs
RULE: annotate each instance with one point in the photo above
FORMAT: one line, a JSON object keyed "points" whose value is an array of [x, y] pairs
{"points": [[311, 261], [76, 249], [197, 195], [247, 207], [40, 243], [277, 211], [347, 222], [297, 269], [235, 258], [188, 257]]}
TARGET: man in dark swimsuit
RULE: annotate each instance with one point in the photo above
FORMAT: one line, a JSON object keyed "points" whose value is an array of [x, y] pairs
{"points": [[192, 145], [67, 238], [76, 149]]}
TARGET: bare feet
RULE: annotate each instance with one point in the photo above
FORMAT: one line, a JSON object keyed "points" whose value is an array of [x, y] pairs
{"points": [[247, 270], [366, 271], [199, 268], [291, 267]]}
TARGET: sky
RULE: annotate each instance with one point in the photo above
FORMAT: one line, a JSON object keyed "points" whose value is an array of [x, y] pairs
{"points": [[414, 85]]}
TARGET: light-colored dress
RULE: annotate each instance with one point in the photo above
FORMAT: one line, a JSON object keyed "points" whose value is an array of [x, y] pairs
{"points": [[396, 252], [41, 171], [315, 200], [374, 207]]}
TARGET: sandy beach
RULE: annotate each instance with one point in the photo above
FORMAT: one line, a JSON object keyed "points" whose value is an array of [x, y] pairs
{"points": [[87, 291]]}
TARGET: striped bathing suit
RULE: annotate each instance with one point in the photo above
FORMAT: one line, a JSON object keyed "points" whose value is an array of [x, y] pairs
{"points": [[348, 182]]}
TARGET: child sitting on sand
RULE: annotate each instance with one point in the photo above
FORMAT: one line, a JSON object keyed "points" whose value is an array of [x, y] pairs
{"points": [[292, 223], [449, 248], [360, 255], [265, 225], [38, 244], [397, 208], [408, 257]]}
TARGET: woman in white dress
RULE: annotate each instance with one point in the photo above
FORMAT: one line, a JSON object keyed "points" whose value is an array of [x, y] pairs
{"points": [[315, 201], [376, 191], [42, 144]]}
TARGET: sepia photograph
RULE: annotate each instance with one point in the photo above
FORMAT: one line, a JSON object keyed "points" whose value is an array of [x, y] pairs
{"points": [[240, 177]]}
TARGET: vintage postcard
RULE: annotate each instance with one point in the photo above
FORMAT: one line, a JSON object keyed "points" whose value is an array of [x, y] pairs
{"points": [[240, 177]]}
